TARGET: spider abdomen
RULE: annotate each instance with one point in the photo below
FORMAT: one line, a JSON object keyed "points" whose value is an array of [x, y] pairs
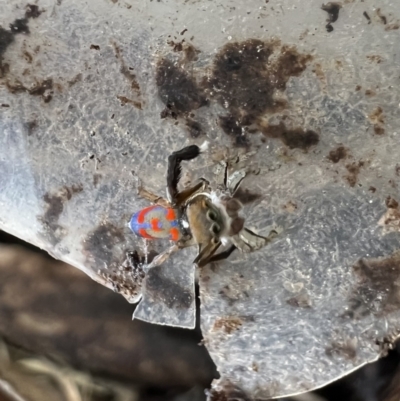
{"points": [[156, 222]]}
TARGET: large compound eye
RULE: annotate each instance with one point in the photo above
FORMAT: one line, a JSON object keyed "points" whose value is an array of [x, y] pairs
{"points": [[215, 229], [211, 215]]}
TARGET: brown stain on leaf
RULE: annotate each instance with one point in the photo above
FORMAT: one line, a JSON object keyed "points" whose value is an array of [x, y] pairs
{"points": [[392, 27], [227, 324], [333, 13], [165, 290], [353, 172], [390, 221], [378, 119], [178, 90], [377, 116], [124, 100], [378, 287], [31, 126], [194, 128], [44, 89], [375, 58], [381, 16], [17, 27], [337, 154], [378, 130], [346, 349], [295, 138], [127, 72], [300, 301], [100, 242], [245, 196], [55, 201], [242, 79]]}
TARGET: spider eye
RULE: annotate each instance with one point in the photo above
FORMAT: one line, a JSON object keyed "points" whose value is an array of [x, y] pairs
{"points": [[211, 215], [215, 229]]}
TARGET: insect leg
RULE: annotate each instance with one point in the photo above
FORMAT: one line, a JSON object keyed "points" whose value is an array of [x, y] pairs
{"points": [[175, 169]]}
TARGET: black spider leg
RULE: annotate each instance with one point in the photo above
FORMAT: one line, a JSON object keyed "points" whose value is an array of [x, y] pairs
{"points": [[220, 256], [175, 171], [226, 175]]}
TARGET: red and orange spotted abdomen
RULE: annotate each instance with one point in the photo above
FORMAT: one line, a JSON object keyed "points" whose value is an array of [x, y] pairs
{"points": [[156, 222]]}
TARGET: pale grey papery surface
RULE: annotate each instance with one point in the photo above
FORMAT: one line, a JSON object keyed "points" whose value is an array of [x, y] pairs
{"points": [[95, 95]]}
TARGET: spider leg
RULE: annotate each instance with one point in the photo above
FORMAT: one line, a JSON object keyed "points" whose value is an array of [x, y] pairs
{"points": [[206, 253], [234, 181], [184, 195], [220, 256], [248, 241], [162, 257], [153, 198], [175, 169]]}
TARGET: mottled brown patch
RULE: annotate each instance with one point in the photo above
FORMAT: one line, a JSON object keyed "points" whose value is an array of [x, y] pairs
{"points": [[378, 130], [227, 324], [300, 301], [77, 78], [354, 171], [127, 72], [245, 196], [370, 92], [176, 46], [28, 56], [377, 116], [6, 38], [318, 71], [392, 27], [32, 11], [43, 89], [178, 90], [96, 179], [365, 14], [381, 16], [166, 290], [378, 289], [358, 88], [20, 26], [346, 349], [55, 202], [94, 47], [337, 154], [391, 203], [375, 58], [99, 244], [244, 80], [290, 206], [31, 126], [194, 127], [124, 100], [397, 169], [333, 13], [295, 138]]}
